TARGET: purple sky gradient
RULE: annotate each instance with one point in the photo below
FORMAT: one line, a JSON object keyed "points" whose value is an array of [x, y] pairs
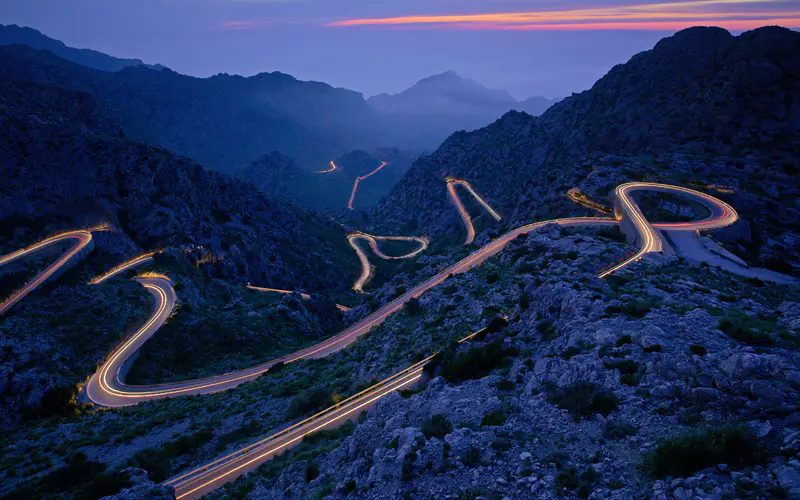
{"points": [[204, 37]]}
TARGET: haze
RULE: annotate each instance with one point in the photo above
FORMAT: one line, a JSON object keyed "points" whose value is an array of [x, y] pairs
{"points": [[546, 48]]}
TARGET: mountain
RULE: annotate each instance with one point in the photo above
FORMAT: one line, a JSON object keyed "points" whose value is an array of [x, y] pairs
{"points": [[222, 122], [536, 105], [701, 108], [66, 165], [446, 93], [439, 105], [19, 35]]}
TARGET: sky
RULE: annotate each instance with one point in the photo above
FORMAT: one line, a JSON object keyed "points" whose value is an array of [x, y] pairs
{"points": [[550, 48]]}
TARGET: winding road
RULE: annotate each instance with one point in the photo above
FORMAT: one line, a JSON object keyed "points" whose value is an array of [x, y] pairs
{"points": [[328, 170], [302, 295], [107, 388], [462, 211], [366, 268], [359, 179]]}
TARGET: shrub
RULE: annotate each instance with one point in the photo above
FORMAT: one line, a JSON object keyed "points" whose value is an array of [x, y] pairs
{"points": [[698, 350], [744, 333], [583, 399], [492, 278], [312, 471], [307, 401], [436, 426], [617, 430], [494, 418], [684, 455], [635, 309], [625, 366], [412, 307], [653, 348], [497, 325], [625, 339], [504, 385], [628, 379], [475, 363]]}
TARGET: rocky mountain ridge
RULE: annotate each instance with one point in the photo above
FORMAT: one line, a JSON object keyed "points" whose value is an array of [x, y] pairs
{"points": [[21, 35], [702, 108]]}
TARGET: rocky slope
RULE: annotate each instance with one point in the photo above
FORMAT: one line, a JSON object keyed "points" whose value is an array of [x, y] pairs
{"points": [[702, 108], [67, 165]]}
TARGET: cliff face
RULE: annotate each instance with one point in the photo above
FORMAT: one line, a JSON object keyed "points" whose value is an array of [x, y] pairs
{"points": [[702, 107]]}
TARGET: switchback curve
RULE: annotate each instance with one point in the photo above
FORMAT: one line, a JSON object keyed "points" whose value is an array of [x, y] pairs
{"points": [[106, 387]]}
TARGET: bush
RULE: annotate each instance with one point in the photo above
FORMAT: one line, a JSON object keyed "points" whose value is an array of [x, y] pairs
{"points": [[312, 471], [308, 401], [685, 455], [504, 385], [474, 363], [497, 325], [625, 366], [625, 339], [698, 350], [494, 418], [617, 430], [583, 399], [635, 309], [412, 307], [744, 333], [436, 426]]}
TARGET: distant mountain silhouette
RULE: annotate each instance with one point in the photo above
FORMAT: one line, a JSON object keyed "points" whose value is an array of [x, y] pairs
{"points": [[224, 121], [438, 105], [19, 35]]}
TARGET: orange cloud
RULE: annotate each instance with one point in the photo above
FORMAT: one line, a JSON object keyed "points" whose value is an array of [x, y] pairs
{"points": [[656, 16]]}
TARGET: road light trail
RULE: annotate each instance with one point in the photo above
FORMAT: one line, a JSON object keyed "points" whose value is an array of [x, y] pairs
{"points": [[82, 240], [106, 387], [328, 170], [359, 179], [304, 296], [451, 190], [148, 257], [204, 479], [366, 269], [721, 215]]}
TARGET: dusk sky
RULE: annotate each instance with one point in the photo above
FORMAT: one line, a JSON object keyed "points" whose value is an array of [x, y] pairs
{"points": [[529, 47]]}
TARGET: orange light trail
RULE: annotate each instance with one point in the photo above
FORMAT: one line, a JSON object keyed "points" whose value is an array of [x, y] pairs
{"points": [[462, 211], [328, 170], [304, 296], [366, 268], [359, 179]]}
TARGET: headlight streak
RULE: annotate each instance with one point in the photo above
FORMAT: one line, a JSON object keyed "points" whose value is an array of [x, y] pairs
{"points": [[366, 268], [328, 170], [359, 179], [106, 387], [304, 296], [462, 211]]}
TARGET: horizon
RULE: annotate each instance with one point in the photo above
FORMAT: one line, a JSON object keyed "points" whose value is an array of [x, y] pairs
{"points": [[390, 48]]}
